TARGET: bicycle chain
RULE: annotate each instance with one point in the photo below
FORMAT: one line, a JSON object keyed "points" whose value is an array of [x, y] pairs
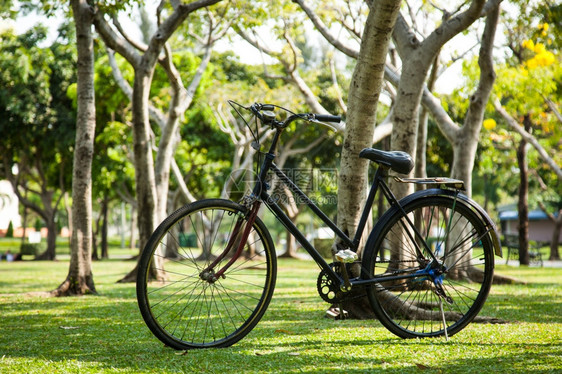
{"points": [[330, 292]]}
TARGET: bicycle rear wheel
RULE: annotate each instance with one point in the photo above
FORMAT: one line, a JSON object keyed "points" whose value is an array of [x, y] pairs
{"points": [[418, 294], [190, 307]]}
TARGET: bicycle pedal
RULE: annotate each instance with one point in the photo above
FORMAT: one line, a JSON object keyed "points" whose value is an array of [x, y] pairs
{"points": [[346, 256], [336, 313]]}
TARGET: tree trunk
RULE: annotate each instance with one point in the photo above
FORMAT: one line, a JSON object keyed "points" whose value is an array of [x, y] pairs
{"points": [[420, 170], [95, 233], [417, 57], [554, 253], [104, 214], [466, 142], [133, 226], [80, 279], [364, 94], [95, 255], [144, 170], [291, 243], [523, 204], [50, 252], [144, 65]]}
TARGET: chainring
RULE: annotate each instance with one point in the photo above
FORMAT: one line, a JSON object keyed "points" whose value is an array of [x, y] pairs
{"points": [[329, 290]]}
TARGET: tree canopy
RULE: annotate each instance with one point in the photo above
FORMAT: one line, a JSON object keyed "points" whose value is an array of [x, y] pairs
{"points": [[309, 50]]}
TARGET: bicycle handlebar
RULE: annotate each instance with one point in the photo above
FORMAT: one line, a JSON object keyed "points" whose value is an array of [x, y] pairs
{"points": [[327, 118], [268, 118]]}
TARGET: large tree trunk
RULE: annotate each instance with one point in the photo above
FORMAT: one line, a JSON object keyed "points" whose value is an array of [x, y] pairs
{"points": [[180, 101], [80, 279], [420, 169], [364, 94]]}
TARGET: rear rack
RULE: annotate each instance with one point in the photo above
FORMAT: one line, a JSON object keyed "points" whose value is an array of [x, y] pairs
{"points": [[441, 181]]}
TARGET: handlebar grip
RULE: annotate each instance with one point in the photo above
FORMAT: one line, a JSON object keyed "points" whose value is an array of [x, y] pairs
{"points": [[327, 118], [267, 107]]}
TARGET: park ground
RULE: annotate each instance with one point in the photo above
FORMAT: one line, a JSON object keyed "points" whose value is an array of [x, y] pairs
{"points": [[106, 334]]}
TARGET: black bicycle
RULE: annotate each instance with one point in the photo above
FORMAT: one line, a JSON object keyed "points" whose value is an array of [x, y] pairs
{"points": [[426, 267]]}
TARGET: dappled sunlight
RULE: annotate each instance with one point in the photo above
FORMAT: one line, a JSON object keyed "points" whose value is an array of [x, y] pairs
{"points": [[106, 333]]}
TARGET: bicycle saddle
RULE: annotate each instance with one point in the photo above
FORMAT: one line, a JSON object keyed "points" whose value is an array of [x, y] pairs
{"points": [[399, 161]]}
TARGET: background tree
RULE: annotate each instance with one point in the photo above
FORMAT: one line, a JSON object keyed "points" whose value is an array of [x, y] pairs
{"points": [[80, 279], [417, 57], [144, 62], [528, 100], [37, 124], [464, 139]]}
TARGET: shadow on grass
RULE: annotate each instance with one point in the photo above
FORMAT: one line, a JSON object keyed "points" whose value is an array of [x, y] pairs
{"points": [[106, 333], [533, 303]]}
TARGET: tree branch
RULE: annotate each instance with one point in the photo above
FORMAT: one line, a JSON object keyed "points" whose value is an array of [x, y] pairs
{"points": [[321, 27], [552, 106], [114, 41], [452, 27], [140, 46], [528, 138], [341, 102], [479, 99], [404, 38], [155, 113]]}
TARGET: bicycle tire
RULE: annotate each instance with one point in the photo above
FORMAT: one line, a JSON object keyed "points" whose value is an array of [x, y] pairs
{"points": [[186, 311], [412, 307]]}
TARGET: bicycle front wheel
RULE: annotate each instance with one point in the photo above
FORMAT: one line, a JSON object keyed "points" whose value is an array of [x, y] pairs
{"points": [[183, 298], [434, 281]]}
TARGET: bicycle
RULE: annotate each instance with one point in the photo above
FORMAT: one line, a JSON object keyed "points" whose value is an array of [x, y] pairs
{"points": [[426, 267]]}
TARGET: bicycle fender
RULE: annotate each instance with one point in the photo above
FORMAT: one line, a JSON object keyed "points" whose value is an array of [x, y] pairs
{"points": [[483, 215], [438, 192]]}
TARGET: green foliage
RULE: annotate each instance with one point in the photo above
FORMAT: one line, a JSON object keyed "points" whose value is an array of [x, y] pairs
{"points": [[324, 247], [7, 9], [24, 73], [10, 230], [526, 79], [36, 118], [30, 249], [105, 333]]}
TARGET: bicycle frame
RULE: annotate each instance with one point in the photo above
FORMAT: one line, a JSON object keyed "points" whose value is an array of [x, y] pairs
{"points": [[413, 270], [260, 190]]}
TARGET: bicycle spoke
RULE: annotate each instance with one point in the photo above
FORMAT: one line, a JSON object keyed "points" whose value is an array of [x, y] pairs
{"points": [[441, 289], [190, 308]]}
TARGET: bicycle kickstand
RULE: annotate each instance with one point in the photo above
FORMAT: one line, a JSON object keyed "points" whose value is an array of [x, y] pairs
{"points": [[444, 320]]}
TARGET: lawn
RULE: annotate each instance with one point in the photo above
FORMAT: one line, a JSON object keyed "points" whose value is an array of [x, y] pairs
{"points": [[105, 333]]}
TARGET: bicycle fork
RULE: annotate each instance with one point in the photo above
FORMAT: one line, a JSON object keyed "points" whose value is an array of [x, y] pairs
{"points": [[239, 235]]}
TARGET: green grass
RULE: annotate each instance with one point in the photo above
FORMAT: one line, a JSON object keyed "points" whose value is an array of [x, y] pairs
{"points": [[63, 247], [105, 333]]}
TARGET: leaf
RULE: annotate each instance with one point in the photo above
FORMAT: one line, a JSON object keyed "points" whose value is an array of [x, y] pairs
{"points": [[283, 331], [68, 327]]}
